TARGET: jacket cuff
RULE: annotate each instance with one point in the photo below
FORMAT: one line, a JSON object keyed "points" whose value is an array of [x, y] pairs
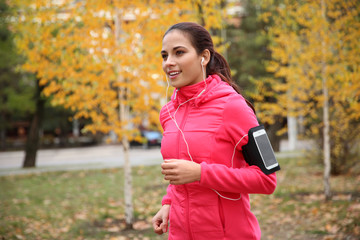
{"points": [[166, 201]]}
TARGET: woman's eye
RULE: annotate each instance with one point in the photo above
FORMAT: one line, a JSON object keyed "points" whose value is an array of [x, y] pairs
{"points": [[179, 52], [164, 56]]}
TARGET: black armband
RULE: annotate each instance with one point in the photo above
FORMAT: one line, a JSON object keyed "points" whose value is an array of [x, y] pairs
{"points": [[258, 151]]}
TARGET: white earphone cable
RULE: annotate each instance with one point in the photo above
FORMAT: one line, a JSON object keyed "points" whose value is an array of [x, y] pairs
{"points": [[173, 118]]}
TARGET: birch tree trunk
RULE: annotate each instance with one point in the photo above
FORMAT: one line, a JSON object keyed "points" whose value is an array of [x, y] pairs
{"points": [[291, 124], [124, 117], [292, 132], [327, 162], [129, 210]]}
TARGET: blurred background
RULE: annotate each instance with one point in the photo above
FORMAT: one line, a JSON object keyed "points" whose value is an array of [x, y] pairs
{"points": [[87, 76]]}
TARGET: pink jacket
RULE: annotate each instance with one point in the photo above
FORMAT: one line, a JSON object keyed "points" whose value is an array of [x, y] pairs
{"points": [[212, 124]]}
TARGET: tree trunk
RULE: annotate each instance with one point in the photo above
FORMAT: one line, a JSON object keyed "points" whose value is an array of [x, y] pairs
{"points": [[129, 209], [76, 128], [124, 117], [3, 138], [33, 139], [292, 132], [129, 218], [327, 160], [3, 125], [2, 131], [200, 14]]}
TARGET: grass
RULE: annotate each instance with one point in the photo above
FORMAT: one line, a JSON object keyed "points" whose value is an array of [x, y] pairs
{"points": [[298, 210], [77, 205], [89, 205]]}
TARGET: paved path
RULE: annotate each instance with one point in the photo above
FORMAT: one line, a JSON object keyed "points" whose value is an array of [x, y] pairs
{"points": [[95, 157]]}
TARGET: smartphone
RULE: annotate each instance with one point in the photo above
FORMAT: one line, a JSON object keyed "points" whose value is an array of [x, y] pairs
{"points": [[265, 149]]}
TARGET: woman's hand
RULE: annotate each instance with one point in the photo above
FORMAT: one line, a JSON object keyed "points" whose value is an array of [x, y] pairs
{"points": [[178, 171], [160, 220]]}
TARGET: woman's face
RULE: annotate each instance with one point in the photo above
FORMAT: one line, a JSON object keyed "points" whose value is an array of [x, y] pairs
{"points": [[181, 63]]}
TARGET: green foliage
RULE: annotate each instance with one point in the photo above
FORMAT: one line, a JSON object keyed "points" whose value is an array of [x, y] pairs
{"points": [[15, 89], [7, 54], [247, 55], [248, 49]]}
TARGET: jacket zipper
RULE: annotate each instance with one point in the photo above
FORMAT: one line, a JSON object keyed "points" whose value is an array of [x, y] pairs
{"points": [[183, 121], [188, 213], [182, 125]]}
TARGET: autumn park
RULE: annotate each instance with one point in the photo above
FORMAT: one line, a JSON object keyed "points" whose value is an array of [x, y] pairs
{"points": [[85, 75]]}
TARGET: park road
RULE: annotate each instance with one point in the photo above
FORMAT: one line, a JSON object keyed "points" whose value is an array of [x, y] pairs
{"points": [[94, 157]]}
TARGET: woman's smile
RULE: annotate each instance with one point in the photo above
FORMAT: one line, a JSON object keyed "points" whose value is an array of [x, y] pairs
{"points": [[173, 74], [181, 62]]}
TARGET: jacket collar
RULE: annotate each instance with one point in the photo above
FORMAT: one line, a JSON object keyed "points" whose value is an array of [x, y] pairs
{"points": [[196, 93]]}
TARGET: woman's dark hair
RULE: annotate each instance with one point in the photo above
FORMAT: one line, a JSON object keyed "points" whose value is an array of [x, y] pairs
{"points": [[201, 40]]}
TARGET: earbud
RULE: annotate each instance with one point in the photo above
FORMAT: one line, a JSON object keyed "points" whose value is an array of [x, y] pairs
{"points": [[202, 60]]}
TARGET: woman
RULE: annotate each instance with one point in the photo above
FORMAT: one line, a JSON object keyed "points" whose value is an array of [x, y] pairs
{"points": [[205, 125]]}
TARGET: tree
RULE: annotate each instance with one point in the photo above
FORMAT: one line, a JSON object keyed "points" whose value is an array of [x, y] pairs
{"points": [[325, 90], [15, 89], [99, 59], [314, 57], [33, 138], [247, 54]]}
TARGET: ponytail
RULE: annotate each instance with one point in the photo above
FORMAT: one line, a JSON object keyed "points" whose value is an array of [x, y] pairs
{"points": [[218, 65]]}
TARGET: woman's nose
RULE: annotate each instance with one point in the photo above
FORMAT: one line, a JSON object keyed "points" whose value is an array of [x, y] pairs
{"points": [[169, 61]]}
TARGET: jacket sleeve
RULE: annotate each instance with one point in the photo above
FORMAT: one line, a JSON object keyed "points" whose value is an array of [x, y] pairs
{"points": [[237, 180], [167, 199], [238, 118]]}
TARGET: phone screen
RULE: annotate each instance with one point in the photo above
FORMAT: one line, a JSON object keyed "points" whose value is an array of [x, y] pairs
{"points": [[265, 149]]}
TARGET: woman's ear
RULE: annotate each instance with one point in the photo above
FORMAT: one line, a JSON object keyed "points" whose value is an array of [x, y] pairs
{"points": [[206, 56]]}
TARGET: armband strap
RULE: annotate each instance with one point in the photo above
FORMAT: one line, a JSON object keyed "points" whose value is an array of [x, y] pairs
{"points": [[258, 151]]}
